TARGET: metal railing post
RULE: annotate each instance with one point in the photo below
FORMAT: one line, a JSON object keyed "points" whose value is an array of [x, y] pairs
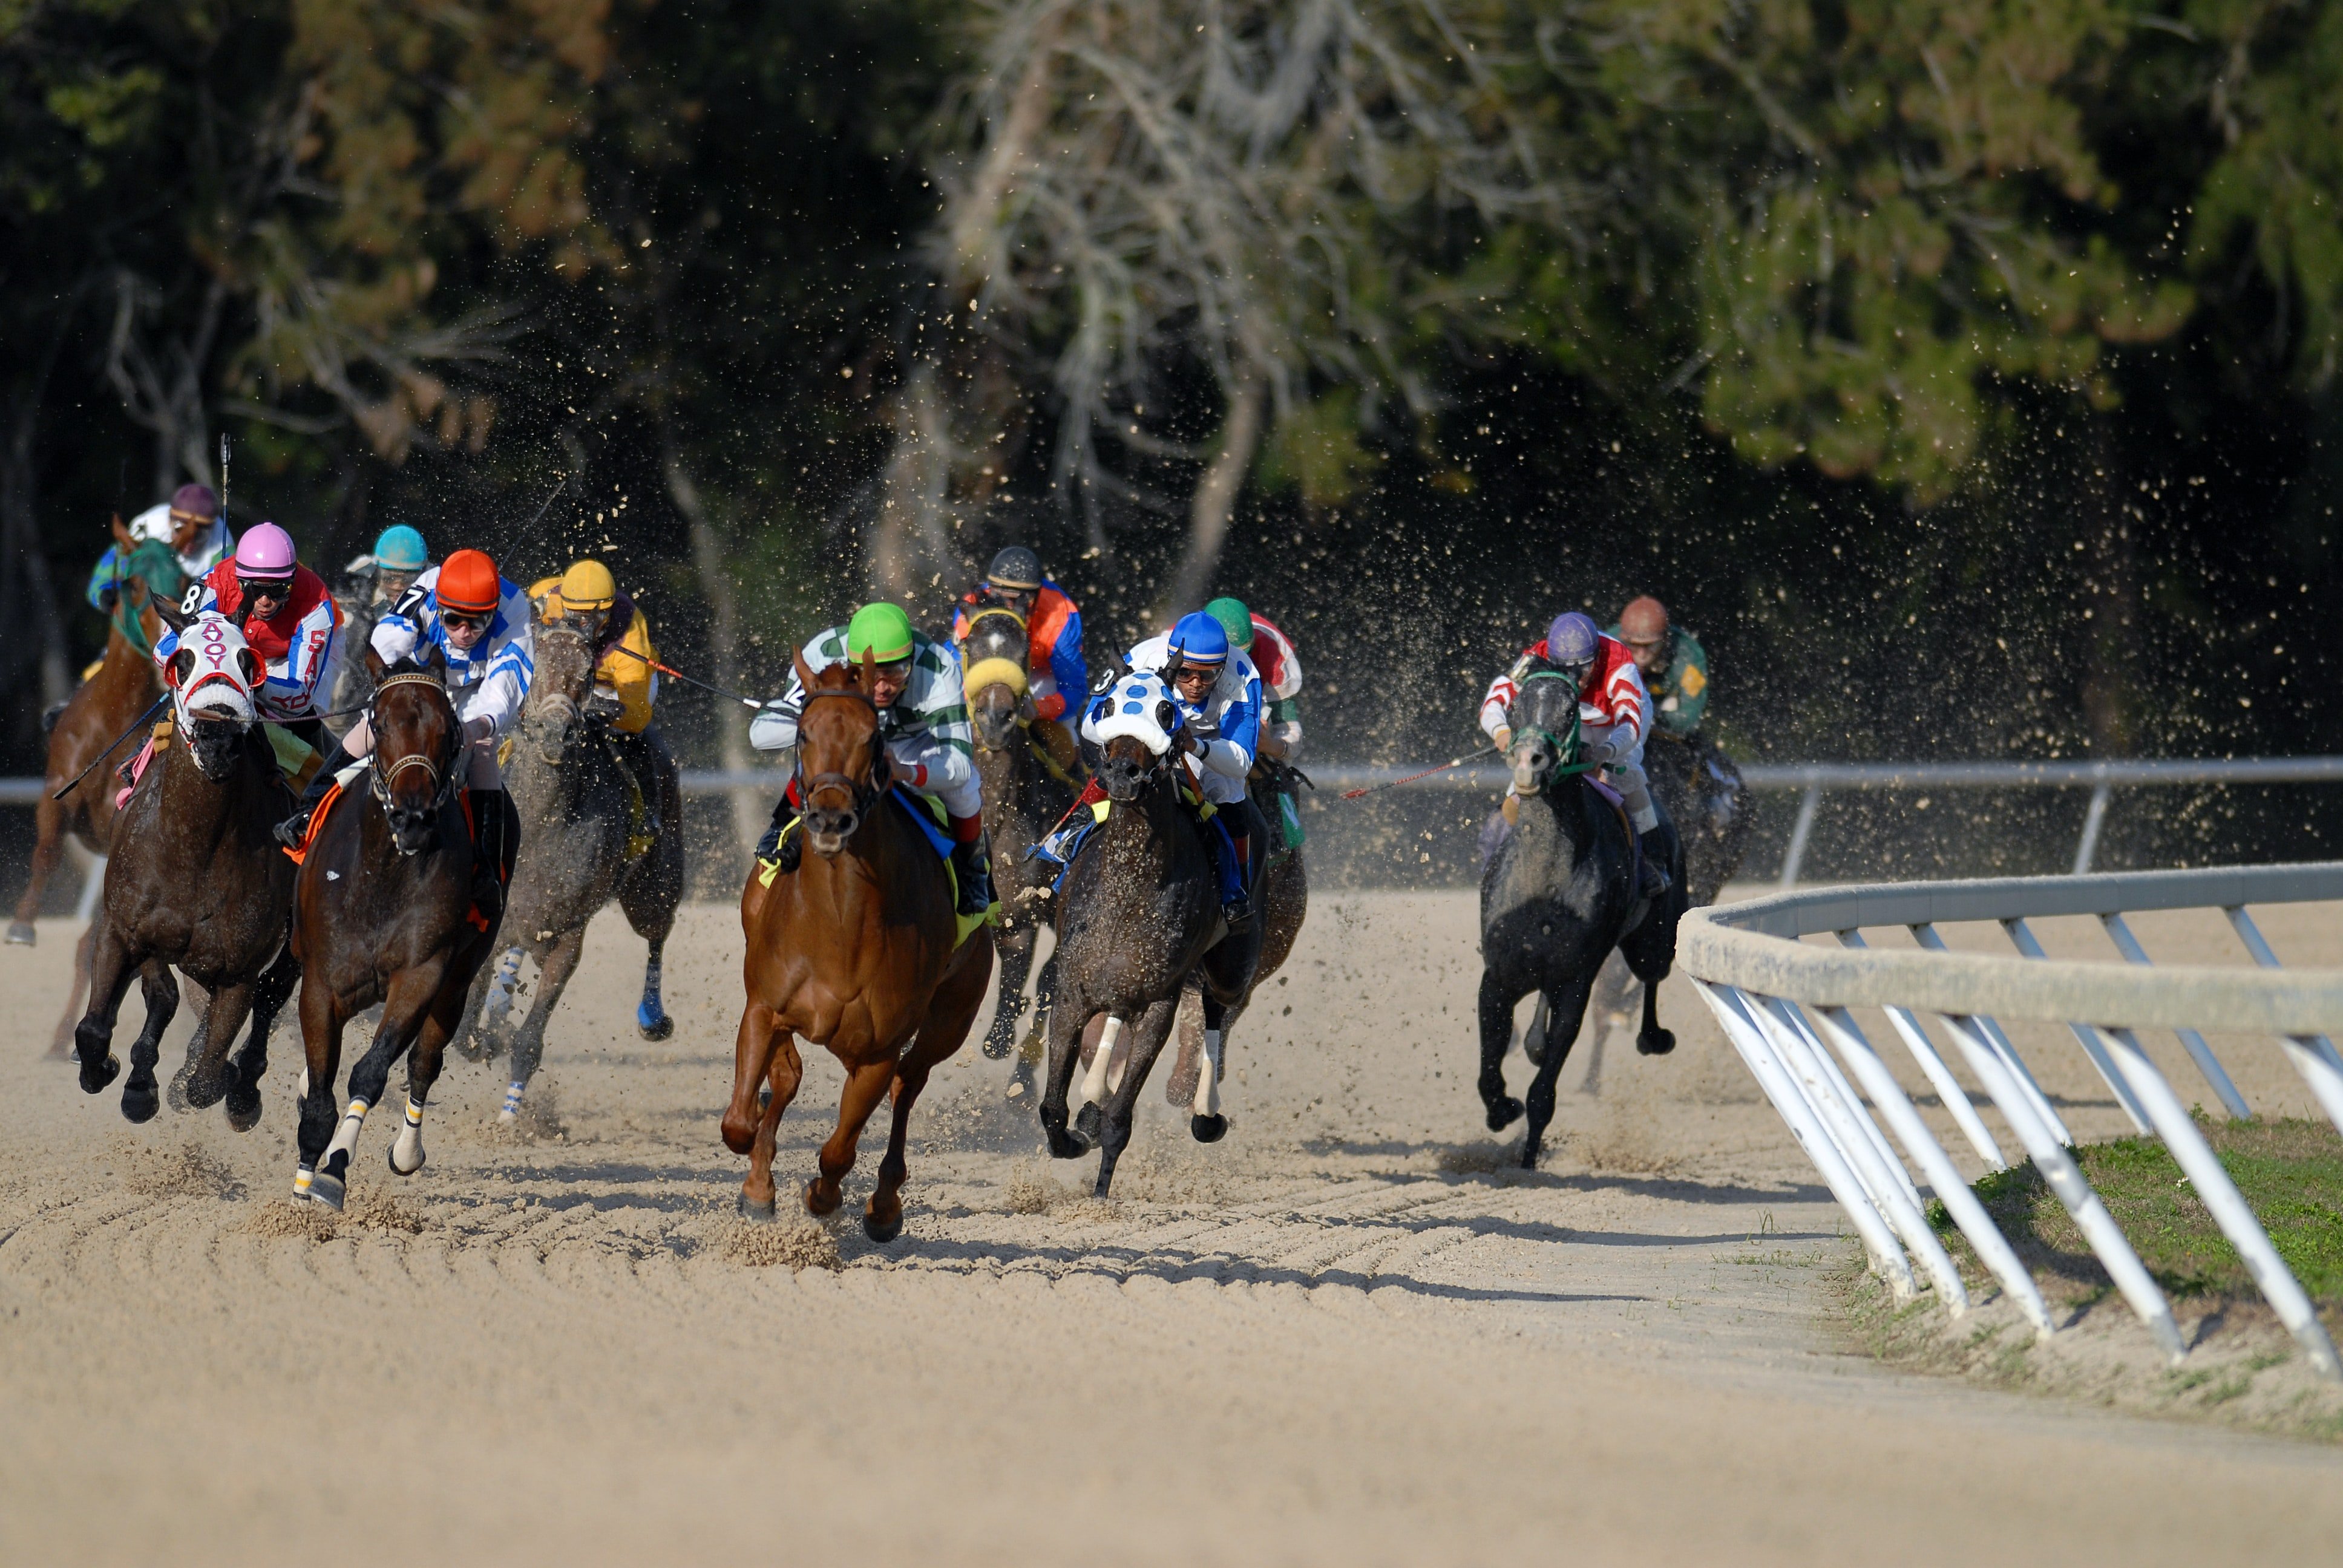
{"points": [[2021, 1076], [2190, 1040], [2313, 1055], [1794, 856], [1940, 1077], [2093, 820], [2021, 936], [2219, 1194], [1805, 1051]]}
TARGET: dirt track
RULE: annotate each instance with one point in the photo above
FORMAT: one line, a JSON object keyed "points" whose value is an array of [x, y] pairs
{"points": [[1345, 1334]]}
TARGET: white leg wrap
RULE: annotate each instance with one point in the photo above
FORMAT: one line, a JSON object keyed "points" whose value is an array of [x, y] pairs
{"points": [[304, 1085], [1208, 1076], [1094, 1089], [345, 1136], [302, 1176], [511, 1111], [499, 999], [406, 1154]]}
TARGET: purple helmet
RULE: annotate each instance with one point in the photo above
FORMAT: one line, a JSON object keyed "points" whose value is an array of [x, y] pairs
{"points": [[1572, 641], [194, 501], [265, 552]]}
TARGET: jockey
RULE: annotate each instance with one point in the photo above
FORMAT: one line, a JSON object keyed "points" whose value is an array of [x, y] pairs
{"points": [[1053, 642], [189, 523], [923, 719], [1280, 668], [480, 624], [1674, 666], [626, 684], [384, 575], [287, 620], [1219, 693], [1614, 714]]}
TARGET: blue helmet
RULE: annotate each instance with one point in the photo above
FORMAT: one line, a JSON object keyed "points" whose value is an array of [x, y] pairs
{"points": [[401, 549], [1572, 641], [1200, 640]]}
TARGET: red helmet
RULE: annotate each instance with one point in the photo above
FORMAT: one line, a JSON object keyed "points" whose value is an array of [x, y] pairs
{"points": [[1644, 620], [469, 583]]}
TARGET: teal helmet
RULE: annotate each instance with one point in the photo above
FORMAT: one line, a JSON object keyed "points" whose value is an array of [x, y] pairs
{"points": [[401, 549]]}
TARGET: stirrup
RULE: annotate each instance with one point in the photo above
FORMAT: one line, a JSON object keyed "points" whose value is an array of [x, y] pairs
{"points": [[1238, 913], [294, 829]]}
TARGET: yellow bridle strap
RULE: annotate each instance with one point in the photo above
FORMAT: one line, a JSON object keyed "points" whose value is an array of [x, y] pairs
{"points": [[987, 672]]}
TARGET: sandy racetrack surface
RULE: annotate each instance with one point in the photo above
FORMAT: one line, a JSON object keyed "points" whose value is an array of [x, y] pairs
{"points": [[1346, 1334]]}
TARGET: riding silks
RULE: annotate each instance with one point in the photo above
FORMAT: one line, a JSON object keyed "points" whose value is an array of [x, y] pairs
{"points": [[295, 758]]}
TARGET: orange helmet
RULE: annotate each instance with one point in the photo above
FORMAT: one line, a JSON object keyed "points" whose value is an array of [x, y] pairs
{"points": [[1644, 620], [469, 583]]}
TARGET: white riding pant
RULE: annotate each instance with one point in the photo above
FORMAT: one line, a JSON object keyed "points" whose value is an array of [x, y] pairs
{"points": [[1216, 785], [1625, 775], [480, 770], [964, 798]]}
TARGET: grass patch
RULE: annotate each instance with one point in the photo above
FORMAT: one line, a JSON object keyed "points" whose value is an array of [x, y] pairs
{"points": [[2289, 1171]]}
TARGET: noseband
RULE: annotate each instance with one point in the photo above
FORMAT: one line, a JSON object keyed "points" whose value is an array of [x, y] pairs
{"points": [[863, 796], [442, 776]]}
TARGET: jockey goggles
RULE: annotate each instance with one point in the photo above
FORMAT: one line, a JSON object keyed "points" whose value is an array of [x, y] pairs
{"points": [[467, 620], [277, 588]]}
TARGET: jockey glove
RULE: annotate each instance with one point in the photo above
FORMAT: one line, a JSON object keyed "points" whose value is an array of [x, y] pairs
{"points": [[294, 829]]}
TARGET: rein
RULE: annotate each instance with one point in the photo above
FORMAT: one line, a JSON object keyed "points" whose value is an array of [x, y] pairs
{"points": [[863, 796]]}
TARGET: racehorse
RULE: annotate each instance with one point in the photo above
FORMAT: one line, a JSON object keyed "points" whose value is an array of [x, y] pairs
{"points": [[124, 685], [1139, 915], [383, 914], [1285, 903], [857, 950], [1023, 793], [196, 880], [1703, 793], [584, 825], [1557, 895]]}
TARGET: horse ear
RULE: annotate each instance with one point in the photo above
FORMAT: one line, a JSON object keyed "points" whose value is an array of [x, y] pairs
{"points": [[437, 663], [182, 665], [249, 662], [805, 674], [177, 617], [375, 668], [122, 535], [864, 678]]}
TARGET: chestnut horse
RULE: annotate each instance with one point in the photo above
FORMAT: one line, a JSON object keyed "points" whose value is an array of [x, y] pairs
{"points": [[196, 880], [383, 914], [124, 685], [857, 950]]}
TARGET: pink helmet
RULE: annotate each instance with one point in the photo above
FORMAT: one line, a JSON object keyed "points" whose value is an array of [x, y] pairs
{"points": [[266, 551]]}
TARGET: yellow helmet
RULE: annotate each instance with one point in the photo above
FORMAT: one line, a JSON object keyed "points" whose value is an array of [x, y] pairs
{"points": [[587, 584]]}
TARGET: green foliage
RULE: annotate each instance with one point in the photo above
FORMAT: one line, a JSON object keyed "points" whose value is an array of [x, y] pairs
{"points": [[1315, 451]]}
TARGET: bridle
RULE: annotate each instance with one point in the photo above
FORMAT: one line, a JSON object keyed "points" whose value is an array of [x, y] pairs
{"points": [[442, 776], [863, 796], [1566, 748]]}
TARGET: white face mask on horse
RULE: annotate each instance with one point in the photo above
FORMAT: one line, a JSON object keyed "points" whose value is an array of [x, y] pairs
{"points": [[212, 677]]}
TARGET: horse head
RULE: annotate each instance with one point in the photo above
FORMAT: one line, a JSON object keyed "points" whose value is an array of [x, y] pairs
{"points": [[841, 753], [212, 677], [553, 717], [417, 748], [1545, 721], [1133, 722], [993, 655]]}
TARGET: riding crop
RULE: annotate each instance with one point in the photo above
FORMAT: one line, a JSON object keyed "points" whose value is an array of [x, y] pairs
{"points": [[691, 680], [1395, 783], [160, 703]]}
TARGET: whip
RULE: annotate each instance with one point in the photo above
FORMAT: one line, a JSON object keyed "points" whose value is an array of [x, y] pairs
{"points": [[1444, 767], [160, 703], [691, 680]]}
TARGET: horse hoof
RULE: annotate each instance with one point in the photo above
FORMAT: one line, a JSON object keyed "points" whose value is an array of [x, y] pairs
{"points": [[1087, 1122], [176, 1093], [1064, 1145], [20, 934], [328, 1189], [200, 1093], [391, 1154], [653, 1026], [1658, 1043], [882, 1231], [1529, 1157], [815, 1206], [244, 1108], [139, 1105], [1503, 1111], [1208, 1128], [748, 1207], [94, 1081], [996, 1047]]}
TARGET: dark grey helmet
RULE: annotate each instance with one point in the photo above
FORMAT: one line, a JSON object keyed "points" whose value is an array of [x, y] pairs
{"points": [[1015, 567]]}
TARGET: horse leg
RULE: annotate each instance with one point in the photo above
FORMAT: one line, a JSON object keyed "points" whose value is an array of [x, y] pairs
{"points": [[1570, 1010], [529, 1040], [649, 895], [1652, 1039], [448, 1010], [1065, 1054], [1205, 1122], [61, 1043], [487, 1008], [412, 995], [205, 1074], [49, 825], [268, 999], [651, 1019], [1153, 1027], [322, 1022], [866, 1085], [1180, 1084], [110, 974], [783, 1076], [1099, 1080], [1016, 950], [1496, 1033], [1033, 1050], [1650, 956], [752, 1055], [951, 1012], [140, 1099]]}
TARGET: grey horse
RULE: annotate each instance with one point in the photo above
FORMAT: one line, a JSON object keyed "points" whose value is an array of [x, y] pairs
{"points": [[577, 820]]}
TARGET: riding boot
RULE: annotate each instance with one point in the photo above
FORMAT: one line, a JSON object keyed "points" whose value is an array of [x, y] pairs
{"points": [[1653, 880], [489, 852], [781, 852], [1238, 909], [295, 828], [972, 864]]}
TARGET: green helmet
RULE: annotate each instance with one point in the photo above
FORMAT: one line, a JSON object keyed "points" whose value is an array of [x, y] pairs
{"points": [[1235, 619], [882, 630]]}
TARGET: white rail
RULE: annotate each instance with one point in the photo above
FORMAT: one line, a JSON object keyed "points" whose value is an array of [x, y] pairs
{"points": [[1764, 983]]}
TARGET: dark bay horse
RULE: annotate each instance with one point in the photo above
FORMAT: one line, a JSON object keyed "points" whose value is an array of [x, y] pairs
{"points": [[1139, 915], [196, 881], [857, 950], [1023, 796], [124, 685], [1557, 895], [383, 914], [577, 819]]}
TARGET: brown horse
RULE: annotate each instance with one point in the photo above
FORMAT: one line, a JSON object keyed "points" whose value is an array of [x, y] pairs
{"points": [[383, 914], [124, 685], [196, 880], [857, 950]]}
